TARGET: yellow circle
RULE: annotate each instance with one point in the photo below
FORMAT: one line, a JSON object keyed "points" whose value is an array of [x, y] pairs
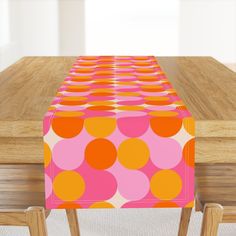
{"points": [[133, 153], [51, 108], [74, 98], [130, 108], [47, 155], [157, 98], [100, 127], [189, 125], [166, 184], [180, 103], [128, 94], [163, 113], [189, 205], [68, 113], [68, 185], [101, 205]]}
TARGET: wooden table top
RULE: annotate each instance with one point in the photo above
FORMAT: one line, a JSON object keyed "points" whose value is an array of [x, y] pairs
{"points": [[207, 88]]}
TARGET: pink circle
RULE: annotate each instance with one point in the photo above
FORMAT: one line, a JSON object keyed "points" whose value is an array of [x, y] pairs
{"points": [[165, 153], [48, 186], [132, 184], [70, 108], [68, 154], [100, 185], [131, 103], [128, 98], [133, 126], [47, 122], [161, 108], [126, 114], [150, 94]]}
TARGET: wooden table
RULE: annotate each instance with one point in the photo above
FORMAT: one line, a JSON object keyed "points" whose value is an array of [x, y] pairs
{"points": [[207, 88]]}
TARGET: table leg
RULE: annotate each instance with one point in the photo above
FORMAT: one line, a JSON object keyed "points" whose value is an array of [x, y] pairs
{"points": [[36, 221], [184, 221], [73, 222], [212, 216]]}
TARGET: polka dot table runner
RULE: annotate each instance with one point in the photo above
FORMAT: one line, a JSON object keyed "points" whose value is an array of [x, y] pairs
{"points": [[118, 136]]}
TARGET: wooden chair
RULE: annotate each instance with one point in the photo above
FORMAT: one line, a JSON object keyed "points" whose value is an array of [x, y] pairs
{"points": [[22, 199], [35, 219], [216, 200]]}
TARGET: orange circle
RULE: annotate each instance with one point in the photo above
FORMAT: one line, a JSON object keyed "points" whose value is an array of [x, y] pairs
{"points": [[101, 108], [133, 153], [47, 155], [189, 151], [81, 78], [69, 205], [84, 70], [165, 126], [77, 88], [101, 205], [166, 184], [144, 63], [165, 204], [105, 72], [88, 58], [72, 103], [102, 94], [152, 88], [159, 103], [67, 127], [100, 154], [87, 63], [68, 185], [147, 78], [145, 70]]}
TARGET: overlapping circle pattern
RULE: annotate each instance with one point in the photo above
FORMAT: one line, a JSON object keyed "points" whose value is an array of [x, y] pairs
{"points": [[117, 136]]}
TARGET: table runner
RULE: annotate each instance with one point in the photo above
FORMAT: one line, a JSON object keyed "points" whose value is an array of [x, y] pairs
{"points": [[118, 136]]}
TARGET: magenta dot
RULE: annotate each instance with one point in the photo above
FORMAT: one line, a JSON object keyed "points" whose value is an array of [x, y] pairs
{"points": [[48, 186], [133, 126]]}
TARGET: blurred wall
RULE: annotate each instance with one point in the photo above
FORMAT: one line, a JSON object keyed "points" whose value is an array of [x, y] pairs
{"points": [[71, 23], [78, 27]]}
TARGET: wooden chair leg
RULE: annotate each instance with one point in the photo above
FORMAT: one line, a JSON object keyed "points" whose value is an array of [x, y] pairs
{"points": [[184, 221], [36, 221], [73, 222], [212, 216]]}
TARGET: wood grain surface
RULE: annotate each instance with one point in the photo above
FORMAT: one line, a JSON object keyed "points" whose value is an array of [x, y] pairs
{"points": [[206, 86], [22, 185]]}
